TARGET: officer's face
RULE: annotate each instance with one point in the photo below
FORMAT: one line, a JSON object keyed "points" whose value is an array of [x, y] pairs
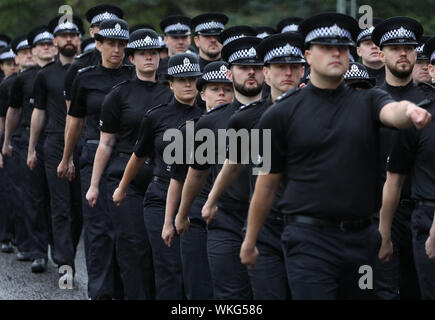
{"points": [[177, 44], [112, 51], [146, 61], [217, 93], [247, 79], [399, 59], [184, 89], [44, 51], [420, 73], [208, 45], [67, 44], [431, 70], [329, 61], [283, 76], [368, 51], [24, 58], [9, 67]]}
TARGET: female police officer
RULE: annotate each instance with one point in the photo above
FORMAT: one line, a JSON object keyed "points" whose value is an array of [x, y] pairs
{"points": [[121, 113], [183, 70], [89, 89]]}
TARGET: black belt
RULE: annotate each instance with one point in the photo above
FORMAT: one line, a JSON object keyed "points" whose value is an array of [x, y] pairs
{"points": [[427, 203], [161, 180], [124, 155], [93, 142], [344, 225], [408, 203]]}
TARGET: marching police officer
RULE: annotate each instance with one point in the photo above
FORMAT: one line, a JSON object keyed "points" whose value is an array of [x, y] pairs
{"points": [[49, 114], [89, 89], [121, 113], [326, 207], [420, 74], [183, 70]]}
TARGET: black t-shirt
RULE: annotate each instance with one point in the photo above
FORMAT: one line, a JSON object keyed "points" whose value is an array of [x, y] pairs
{"points": [[89, 90], [21, 96], [126, 105], [48, 92], [90, 58], [5, 91], [379, 74], [155, 123], [326, 145], [414, 153]]}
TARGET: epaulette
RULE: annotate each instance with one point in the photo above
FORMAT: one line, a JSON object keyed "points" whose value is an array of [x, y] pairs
{"points": [[120, 84], [287, 94], [252, 104], [426, 85], [84, 54], [156, 107], [219, 106], [86, 69]]}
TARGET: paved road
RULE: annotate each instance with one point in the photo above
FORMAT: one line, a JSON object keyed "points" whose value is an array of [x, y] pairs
{"points": [[17, 282]]}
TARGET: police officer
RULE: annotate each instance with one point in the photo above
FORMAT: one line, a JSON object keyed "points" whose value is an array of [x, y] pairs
{"points": [[183, 70], [207, 28], [94, 16], [49, 115], [326, 207], [369, 53], [89, 89], [31, 185], [420, 73], [177, 30], [7, 61], [397, 39], [121, 113], [215, 89], [358, 77]]}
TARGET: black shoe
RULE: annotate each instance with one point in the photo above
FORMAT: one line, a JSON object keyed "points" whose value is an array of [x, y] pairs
{"points": [[39, 265], [7, 247], [23, 256]]}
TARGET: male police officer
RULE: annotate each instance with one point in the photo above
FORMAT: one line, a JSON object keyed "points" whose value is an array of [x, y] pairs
{"points": [[420, 74], [324, 140]]}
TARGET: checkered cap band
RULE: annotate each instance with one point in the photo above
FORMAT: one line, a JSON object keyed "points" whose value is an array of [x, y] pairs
{"points": [[290, 28], [263, 35], [22, 44], [177, 27], [115, 32], [366, 32], [284, 51], [143, 43], [103, 16], [242, 54], [356, 72], [3, 43], [328, 32], [66, 26], [215, 75], [43, 36], [209, 25], [184, 68], [401, 33], [228, 40], [7, 55], [89, 47]]}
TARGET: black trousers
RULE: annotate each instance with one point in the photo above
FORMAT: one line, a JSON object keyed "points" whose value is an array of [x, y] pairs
{"points": [[422, 219], [65, 203], [167, 260], [7, 205], [133, 249], [98, 234], [194, 256], [269, 276], [230, 277], [324, 263]]}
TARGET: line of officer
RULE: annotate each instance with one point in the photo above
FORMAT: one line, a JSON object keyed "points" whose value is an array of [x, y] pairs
{"points": [[183, 70], [215, 89], [326, 207], [31, 219], [397, 39], [121, 114], [88, 92], [48, 118]]}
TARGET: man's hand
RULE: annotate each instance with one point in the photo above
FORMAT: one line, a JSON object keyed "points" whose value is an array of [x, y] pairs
{"points": [[32, 160], [419, 116], [118, 196], [430, 248], [248, 255], [7, 150], [386, 250], [209, 212], [168, 233], [92, 196], [1, 161], [181, 224], [66, 170]]}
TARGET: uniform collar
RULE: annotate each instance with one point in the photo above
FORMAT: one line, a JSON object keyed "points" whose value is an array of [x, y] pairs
{"points": [[186, 107], [108, 70], [408, 86], [327, 92]]}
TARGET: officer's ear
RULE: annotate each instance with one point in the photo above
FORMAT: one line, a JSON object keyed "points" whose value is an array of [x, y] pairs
{"points": [[358, 51], [230, 74], [55, 41], [196, 39], [431, 70], [99, 45], [308, 55], [266, 73], [382, 56], [131, 58]]}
